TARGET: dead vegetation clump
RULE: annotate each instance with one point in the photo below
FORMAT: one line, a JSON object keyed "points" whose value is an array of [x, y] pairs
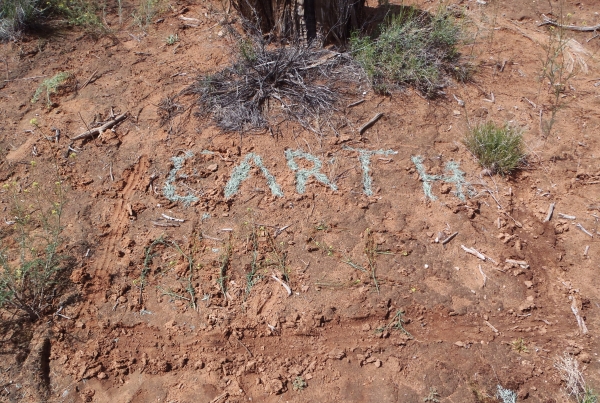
{"points": [[575, 384], [267, 83]]}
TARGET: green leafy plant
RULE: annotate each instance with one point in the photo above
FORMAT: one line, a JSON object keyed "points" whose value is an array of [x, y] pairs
{"points": [[147, 10], [412, 48], [51, 86], [32, 269], [498, 148], [172, 39], [563, 59], [82, 13], [16, 15], [19, 15], [519, 345], [433, 396], [299, 383], [397, 323]]}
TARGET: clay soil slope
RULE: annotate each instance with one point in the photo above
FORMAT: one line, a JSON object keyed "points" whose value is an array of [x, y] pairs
{"points": [[379, 309]]}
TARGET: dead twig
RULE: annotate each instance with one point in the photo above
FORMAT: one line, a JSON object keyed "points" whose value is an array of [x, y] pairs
{"points": [[580, 321], [164, 224], [584, 230], [473, 252], [550, 211], [450, 237], [370, 123], [488, 324], [355, 103], [98, 130], [222, 396], [89, 80], [243, 345], [548, 21], [484, 276], [172, 218], [287, 287]]}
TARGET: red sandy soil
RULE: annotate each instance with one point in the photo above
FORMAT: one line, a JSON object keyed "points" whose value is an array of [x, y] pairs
{"points": [[467, 336]]}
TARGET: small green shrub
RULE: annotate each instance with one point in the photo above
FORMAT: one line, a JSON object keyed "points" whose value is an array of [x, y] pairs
{"points": [[79, 12], [19, 15], [147, 10], [589, 396], [299, 383], [16, 15], [51, 86], [32, 271], [172, 39], [498, 148], [412, 48]]}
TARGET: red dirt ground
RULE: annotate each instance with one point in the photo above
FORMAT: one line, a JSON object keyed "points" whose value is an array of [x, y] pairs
{"points": [[121, 344]]}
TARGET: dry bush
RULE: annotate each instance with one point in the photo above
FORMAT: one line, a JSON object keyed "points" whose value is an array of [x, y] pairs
{"points": [[265, 83]]}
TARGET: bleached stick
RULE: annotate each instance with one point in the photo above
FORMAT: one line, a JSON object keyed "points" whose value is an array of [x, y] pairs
{"points": [[172, 218], [584, 230], [580, 321], [473, 252], [484, 276], [488, 324], [287, 287], [550, 211]]}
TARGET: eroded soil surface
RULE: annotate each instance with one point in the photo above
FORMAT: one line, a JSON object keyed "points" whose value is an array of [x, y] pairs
{"points": [[379, 310]]}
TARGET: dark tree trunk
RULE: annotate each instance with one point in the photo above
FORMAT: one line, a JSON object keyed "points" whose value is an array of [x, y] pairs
{"points": [[304, 19]]}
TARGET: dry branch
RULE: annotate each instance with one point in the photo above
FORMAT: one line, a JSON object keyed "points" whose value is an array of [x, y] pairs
{"points": [[473, 252], [550, 211], [450, 237], [548, 21], [98, 130], [370, 123]]}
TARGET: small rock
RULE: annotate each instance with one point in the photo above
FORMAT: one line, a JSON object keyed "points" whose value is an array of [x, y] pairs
{"points": [[377, 363], [170, 324], [102, 375], [585, 358], [212, 167], [366, 327], [528, 284], [336, 354], [459, 344]]}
